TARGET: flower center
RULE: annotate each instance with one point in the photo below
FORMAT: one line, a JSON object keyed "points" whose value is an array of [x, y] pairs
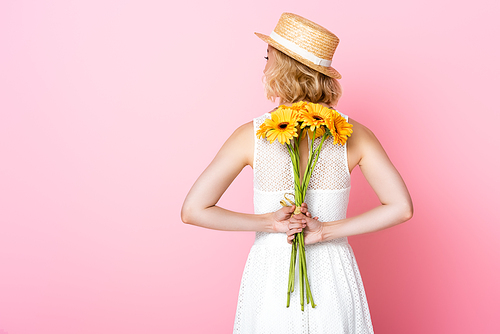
{"points": [[283, 125]]}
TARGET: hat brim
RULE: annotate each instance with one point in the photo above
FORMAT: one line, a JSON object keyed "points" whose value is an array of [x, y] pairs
{"points": [[328, 71]]}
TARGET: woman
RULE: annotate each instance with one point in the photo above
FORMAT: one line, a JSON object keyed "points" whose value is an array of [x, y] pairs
{"points": [[298, 69]]}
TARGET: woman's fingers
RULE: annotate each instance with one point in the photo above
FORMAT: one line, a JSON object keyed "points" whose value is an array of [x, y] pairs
{"points": [[300, 216], [295, 226], [293, 231], [305, 210], [288, 210], [284, 213]]}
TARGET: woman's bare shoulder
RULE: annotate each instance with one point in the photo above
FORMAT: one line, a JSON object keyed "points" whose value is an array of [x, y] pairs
{"points": [[359, 131], [244, 129], [362, 137], [246, 132], [362, 142], [243, 135], [240, 144]]}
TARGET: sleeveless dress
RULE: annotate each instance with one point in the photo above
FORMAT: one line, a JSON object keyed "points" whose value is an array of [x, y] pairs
{"points": [[337, 289]]}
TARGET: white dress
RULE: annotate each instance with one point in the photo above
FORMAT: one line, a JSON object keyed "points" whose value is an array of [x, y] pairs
{"points": [[337, 289]]}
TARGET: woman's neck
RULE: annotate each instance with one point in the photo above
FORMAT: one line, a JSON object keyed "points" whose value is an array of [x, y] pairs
{"points": [[323, 104]]}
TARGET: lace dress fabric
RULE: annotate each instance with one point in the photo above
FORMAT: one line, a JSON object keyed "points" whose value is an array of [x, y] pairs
{"points": [[334, 277]]}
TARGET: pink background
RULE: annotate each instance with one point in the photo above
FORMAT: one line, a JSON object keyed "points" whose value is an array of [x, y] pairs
{"points": [[111, 109]]}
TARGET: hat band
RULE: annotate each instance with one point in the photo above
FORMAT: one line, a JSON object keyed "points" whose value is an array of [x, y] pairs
{"points": [[300, 51]]}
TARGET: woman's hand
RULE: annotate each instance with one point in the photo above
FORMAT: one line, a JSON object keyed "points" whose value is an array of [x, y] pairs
{"points": [[312, 227], [281, 218]]}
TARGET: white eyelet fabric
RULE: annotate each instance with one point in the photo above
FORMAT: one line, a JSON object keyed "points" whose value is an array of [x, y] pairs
{"points": [[334, 277]]}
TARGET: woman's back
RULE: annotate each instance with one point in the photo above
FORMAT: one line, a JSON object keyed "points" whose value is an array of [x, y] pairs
{"points": [[328, 191], [334, 276]]}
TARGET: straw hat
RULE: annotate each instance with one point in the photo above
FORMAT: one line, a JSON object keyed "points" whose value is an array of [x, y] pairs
{"points": [[304, 41]]}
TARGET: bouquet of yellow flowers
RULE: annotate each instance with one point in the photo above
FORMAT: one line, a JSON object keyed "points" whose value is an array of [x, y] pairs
{"points": [[289, 125]]}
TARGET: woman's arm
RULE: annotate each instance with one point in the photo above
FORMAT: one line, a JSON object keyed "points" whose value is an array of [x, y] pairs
{"points": [[200, 208], [396, 206]]}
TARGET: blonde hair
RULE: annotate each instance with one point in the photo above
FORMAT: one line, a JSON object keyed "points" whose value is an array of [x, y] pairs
{"points": [[292, 81]]}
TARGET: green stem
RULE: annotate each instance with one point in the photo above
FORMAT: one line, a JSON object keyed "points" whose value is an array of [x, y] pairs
{"points": [[301, 276], [290, 280], [295, 165], [303, 264], [289, 286], [298, 245], [291, 274], [308, 288], [315, 158], [309, 158], [294, 250]]}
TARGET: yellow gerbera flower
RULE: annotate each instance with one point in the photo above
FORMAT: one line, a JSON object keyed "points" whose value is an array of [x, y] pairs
{"points": [[282, 125], [298, 106], [261, 133], [320, 131], [314, 116], [339, 128]]}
